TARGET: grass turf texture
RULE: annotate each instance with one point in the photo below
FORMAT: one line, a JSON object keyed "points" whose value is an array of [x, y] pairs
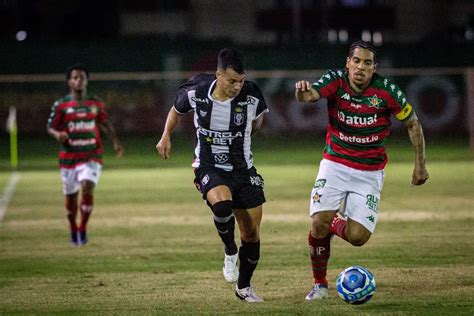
{"points": [[153, 248]]}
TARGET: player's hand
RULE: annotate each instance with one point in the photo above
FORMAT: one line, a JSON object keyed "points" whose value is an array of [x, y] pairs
{"points": [[164, 147], [420, 175], [62, 137], [302, 86], [304, 92]]}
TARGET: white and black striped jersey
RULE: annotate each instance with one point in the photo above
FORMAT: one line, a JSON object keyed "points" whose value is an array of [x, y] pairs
{"points": [[222, 128]]}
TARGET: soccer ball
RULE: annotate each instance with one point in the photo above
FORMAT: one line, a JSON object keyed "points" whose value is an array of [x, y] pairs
{"points": [[355, 285]]}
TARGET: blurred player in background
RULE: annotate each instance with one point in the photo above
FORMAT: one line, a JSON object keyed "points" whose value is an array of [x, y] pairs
{"points": [[351, 175], [74, 122], [227, 111]]}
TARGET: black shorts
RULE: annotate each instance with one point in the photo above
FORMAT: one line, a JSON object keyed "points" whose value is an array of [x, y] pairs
{"points": [[246, 185]]}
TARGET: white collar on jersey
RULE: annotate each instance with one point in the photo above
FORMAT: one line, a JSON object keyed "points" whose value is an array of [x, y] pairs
{"points": [[209, 95]]}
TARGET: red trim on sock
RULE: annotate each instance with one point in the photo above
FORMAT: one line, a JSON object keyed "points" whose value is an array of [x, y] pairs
{"points": [[338, 227]]}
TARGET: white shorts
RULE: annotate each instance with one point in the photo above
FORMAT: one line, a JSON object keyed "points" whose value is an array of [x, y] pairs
{"points": [[355, 193], [72, 177]]}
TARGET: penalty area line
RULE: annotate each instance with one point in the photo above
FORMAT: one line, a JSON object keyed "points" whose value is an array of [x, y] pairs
{"points": [[8, 193]]}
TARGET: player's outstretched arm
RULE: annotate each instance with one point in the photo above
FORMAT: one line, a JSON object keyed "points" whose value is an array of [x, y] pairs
{"points": [[305, 93], [110, 132], [415, 132], [164, 145], [60, 136]]}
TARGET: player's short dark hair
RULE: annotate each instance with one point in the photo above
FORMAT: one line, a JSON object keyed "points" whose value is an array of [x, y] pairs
{"points": [[365, 45], [80, 67], [231, 58]]}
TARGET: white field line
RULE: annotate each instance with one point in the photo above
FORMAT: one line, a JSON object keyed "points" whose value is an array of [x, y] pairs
{"points": [[8, 193]]}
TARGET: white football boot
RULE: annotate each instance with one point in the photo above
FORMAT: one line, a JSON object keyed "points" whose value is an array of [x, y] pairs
{"points": [[247, 294], [230, 269], [318, 292]]}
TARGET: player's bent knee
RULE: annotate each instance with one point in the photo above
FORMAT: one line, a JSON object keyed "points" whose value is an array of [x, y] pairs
{"points": [[222, 209], [322, 223], [356, 233], [224, 217], [320, 229], [358, 239]]}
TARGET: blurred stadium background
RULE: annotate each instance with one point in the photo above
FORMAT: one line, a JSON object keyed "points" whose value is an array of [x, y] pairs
{"points": [[139, 51]]}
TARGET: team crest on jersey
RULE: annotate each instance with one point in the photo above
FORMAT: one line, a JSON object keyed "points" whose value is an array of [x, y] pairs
{"points": [[94, 110], [374, 101], [238, 119]]}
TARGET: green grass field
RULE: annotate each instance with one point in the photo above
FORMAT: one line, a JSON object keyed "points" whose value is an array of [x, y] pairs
{"points": [[153, 248]]}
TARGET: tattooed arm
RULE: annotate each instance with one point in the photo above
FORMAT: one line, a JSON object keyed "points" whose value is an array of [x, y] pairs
{"points": [[415, 132]]}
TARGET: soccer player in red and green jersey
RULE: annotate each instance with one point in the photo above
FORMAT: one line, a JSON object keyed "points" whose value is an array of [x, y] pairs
{"points": [[360, 103], [74, 122]]}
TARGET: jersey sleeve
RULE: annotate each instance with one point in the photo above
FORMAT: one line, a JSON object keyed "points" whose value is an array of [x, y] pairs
{"points": [[102, 113], [55, 116], [397, 102], [328, 83], [182, 103]]}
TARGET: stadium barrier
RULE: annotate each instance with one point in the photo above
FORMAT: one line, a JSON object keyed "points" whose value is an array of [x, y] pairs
{"points": [[139, 101]]}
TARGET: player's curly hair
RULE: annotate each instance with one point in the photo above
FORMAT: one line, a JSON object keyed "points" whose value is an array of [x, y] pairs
{"points": [[365, 45], [231, 58], [80, 67]]}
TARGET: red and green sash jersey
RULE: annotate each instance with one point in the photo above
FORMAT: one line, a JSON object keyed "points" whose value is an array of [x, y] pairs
{"points": [[359, 122], [80, 119]]}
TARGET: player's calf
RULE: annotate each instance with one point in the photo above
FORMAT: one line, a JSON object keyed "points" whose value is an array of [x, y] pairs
{"points": [[319, 251], [249, 255]]}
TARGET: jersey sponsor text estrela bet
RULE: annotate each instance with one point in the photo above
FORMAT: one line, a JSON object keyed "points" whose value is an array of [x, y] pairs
{"points": [[223, 128]]}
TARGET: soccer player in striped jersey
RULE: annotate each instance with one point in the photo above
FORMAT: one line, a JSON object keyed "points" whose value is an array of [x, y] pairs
{"points": [[350, 178], [227, 111], [74, 121]]}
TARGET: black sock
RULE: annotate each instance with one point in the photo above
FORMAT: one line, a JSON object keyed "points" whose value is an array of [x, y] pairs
{"points": [[249, 254], [225, 223]]}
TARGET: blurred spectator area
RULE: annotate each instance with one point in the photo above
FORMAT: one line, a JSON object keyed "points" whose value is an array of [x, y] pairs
{"points": [[139, 102], [139, 51], [246, 22], [45, 36]]}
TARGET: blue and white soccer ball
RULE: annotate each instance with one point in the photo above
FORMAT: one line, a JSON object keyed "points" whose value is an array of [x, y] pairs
{"points": [[356, 285]]}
